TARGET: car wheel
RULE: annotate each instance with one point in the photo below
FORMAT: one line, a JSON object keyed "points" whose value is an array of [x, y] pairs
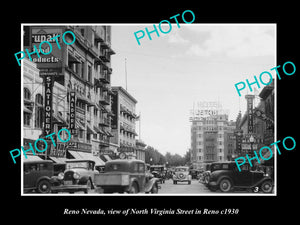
{"points": [[44, 186], [174, 182], [225, 185], [189, 182], [267, 186], [133, 188]]}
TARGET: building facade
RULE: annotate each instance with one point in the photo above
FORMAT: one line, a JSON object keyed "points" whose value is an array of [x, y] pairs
{"points": [[80, 74], [262, 132], [211, 140], [124, 125]]}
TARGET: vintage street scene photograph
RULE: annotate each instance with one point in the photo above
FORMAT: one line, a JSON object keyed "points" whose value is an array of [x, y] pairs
{"points": [[148, 109]]}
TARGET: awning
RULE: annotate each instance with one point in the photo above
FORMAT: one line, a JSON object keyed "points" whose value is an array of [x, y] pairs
{"points": [[79, 125], [90, 129], [31, 158], [57, 160], [109, 134], [107, 157], [25, 109], [75, 154], [86, 155]]}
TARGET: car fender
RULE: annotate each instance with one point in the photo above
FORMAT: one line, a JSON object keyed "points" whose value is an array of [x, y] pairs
{"points": [[54, 180], [83, 179], [258, 183], [150, 183], [42, 178]]}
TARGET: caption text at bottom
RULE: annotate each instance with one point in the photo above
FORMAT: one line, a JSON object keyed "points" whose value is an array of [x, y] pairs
{"points": [[151, 211]]}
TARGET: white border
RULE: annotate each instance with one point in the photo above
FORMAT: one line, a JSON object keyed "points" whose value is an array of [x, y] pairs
{"points": [[158, 195]]}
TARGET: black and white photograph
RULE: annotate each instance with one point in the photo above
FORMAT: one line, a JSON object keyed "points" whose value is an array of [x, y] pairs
{"points": [[173, 115], [168, 113]]}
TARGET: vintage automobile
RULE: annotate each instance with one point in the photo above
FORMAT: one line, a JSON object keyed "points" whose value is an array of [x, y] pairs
{"points": [[37, 175], [210, 168], [78, 176], [182, 174], [227, 177], [126, 175], [159, 172]]}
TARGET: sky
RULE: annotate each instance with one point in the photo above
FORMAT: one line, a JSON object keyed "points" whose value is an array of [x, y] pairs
{"points": [[193, 63]]}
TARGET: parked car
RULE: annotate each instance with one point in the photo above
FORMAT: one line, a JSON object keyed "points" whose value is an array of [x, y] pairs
{"points": [[37, 175], [126, 175], [78, 176], [228, 177], [182, 174], [210, 168], [159, 172], [195, 173], [59, 168]]}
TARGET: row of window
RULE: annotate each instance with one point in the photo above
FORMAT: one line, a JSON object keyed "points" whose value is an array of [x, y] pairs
{"points": [[209, 157], [209, 149], [201, 142]]}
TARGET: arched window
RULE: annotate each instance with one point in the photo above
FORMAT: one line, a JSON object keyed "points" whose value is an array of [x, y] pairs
{"points": [[39, 111]]}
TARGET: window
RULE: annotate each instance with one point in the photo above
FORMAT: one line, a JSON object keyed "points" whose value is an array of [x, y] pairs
{"points": [[225, 166], [89, 77], [39, 112], [141, 168], [27, 94], [27, 117]]}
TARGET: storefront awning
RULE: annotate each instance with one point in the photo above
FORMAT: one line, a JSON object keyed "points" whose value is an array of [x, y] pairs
{"points": [[107, 157], [57, 160], [86, 155], [31, 158], [75, 154]]}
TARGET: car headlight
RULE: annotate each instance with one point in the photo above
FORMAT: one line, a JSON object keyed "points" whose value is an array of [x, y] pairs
{"points": [[76, 176], [60, 176]]}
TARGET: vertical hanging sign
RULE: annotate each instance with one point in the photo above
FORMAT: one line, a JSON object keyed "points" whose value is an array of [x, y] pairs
{"points": [[48, 80], [72, 113], [250, 112]]}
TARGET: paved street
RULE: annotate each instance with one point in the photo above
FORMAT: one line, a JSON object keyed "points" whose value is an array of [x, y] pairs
{"points": [[183, 188]]}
